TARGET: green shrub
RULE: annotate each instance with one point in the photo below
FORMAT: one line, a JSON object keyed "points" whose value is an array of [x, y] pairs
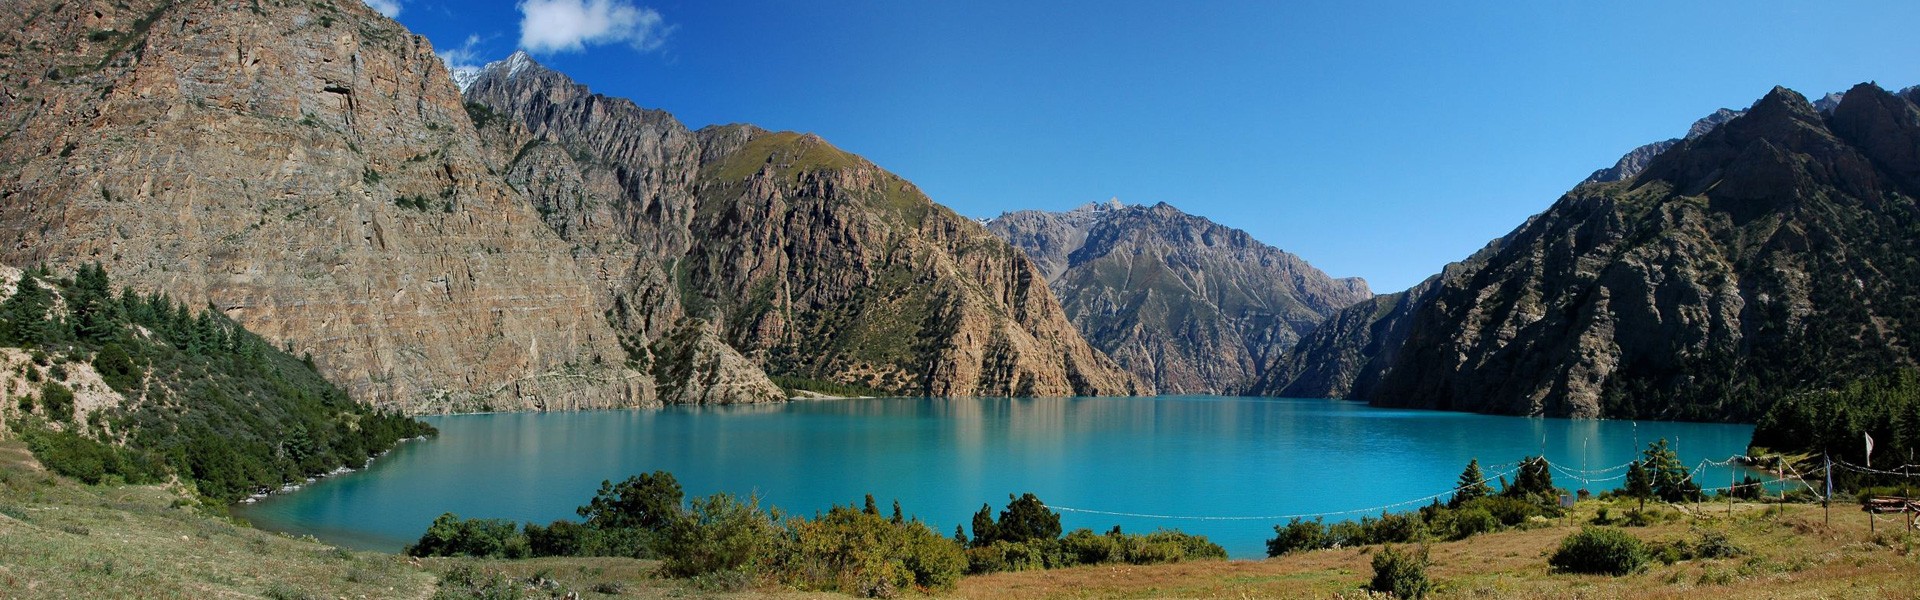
{"points": [[859, 552], [1402, 574], [650, 501], [1393, 528], [1345, 533], [58, 400], [90, 461], [1187, 546], [560, 538], [630, 543], [117, 369], [1083, 546], [488, 538], [1510, 511], [1715, 544], [720, 534], [1298, 535], [1600, 550], [1472, 521], [1003, 555]]}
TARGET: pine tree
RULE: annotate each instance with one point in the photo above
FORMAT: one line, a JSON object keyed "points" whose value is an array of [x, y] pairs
{"points": [[1534, 481], [1672, 481], [871, 508], [96, 317], [23, 316], [1639, 483], [984, 529], [1027, 518], [1472, 485]]}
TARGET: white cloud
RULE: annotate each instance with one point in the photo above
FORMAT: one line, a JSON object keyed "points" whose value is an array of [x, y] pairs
{"points": [[390, 8], [572, 25], [466, 56], [463, 62]]}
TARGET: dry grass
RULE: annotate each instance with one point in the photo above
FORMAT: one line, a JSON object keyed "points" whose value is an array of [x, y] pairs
{"points": [[1791, 554], [59, 539]]}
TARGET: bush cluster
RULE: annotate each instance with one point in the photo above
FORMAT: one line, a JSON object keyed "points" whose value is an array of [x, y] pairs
{"points": [[1474, 509], [1403, 574], [1474, 517], [1084, 547], [724, 542], [1026, 536], [1600, 551]]}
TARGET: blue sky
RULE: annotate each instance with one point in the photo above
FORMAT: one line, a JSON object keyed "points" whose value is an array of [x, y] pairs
{"points": [[1375, 139]]}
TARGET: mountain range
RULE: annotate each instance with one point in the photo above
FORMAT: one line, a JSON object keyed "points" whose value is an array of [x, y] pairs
{"points": [[312, 171], [1187, 304], [1776, 252], [511, 240]]}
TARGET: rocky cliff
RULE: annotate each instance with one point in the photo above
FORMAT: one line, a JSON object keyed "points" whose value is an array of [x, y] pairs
{"points": [[308, 168], [1181, 301], [1636, 160], [1779, 251], [781, 251]]}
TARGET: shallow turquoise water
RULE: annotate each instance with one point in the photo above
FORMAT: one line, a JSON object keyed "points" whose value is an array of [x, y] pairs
{"points": [[942, 458]]}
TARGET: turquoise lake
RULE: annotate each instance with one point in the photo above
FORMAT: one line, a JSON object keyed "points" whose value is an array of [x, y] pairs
{"points": [[943, 458]]}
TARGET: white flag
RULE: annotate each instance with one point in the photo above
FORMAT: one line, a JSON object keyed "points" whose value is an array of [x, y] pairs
{"points": [[1869, 448]]}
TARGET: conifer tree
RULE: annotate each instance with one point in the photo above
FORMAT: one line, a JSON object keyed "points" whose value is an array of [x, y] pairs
{"points": [[1639, 483], [1472, 485], [1672, 481], [1534, 481], [1027, 518], [984, 530], [96, 316]]}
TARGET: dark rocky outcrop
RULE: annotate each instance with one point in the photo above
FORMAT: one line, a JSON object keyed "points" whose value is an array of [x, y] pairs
{"points": [[1181, 301], [1777, 252]]}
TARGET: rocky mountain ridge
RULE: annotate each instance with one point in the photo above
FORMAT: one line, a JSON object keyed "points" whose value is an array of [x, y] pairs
{"points": [[812, 262], [308, 169], [1772, 253], [312, 170], [1188, 304]]}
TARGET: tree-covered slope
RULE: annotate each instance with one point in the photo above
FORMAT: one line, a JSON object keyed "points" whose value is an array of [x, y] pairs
{"points": [[107, 384]]}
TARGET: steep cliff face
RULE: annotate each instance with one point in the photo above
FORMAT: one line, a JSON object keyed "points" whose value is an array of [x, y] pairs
{"points": [[308, 169], [1183, 302], [807, 261], [1778, 252]]}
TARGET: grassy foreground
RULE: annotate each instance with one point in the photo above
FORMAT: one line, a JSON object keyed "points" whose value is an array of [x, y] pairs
{"points": [[60, 539], [1789, 554]]}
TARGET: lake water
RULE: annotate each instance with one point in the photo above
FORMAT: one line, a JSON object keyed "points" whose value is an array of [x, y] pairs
{"points": [[943, 458]]}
